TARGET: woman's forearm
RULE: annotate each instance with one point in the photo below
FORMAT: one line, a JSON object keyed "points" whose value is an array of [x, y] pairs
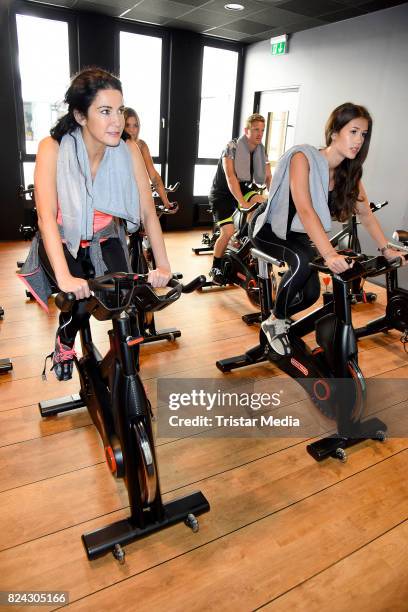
{"points": [[53, 247], [154, 232], [157, 183], [374, 229]]}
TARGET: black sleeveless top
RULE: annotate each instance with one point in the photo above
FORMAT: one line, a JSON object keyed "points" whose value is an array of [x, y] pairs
{"points": [[292, 208]]}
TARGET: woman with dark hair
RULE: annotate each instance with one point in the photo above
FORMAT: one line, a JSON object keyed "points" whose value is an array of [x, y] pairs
{"points": [[88, 183], [310, 187], [131, 132]]}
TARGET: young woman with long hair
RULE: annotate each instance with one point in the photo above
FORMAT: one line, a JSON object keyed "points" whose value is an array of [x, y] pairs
{"points": [[309, 188]]}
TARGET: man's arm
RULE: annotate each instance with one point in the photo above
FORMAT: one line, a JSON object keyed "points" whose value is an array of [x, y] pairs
{"points": [[232, 180], [268, 175]]}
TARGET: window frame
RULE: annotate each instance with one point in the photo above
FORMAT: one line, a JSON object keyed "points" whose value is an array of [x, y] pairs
{"points": [[229, 46], [156, 32], [42, 12]]}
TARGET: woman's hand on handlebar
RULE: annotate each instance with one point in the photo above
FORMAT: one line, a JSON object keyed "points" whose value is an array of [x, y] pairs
{"points": [[337, 263], [393, 253], [73, 284], [171, 206], [159, 277]]}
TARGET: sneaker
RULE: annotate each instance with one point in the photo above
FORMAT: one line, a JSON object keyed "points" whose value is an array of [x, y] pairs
{"points": [[63, 360], [275, 331], [216, 276]]}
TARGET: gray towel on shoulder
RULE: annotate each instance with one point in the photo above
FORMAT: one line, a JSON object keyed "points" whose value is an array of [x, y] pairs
{"points": [[277, 209], [242, 161], [114, 190]]}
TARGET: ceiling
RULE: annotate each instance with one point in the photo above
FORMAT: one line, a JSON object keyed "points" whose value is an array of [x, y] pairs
{"points": [[260, 19]]}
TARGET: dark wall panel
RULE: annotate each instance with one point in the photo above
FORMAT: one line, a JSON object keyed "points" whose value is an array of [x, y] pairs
{"points": [[11, 208], [96, 41], [184, 101]]}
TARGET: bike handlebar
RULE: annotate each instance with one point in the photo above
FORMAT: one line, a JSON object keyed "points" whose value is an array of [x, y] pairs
{"points": [[29, 191], [128, 290], [363, 265]]}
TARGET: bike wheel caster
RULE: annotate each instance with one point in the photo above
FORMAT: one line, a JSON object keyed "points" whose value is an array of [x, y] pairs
{"points": [[341, 454], [381, 436], [172, 338], [119, 553], [371, 297], [192, 522]]}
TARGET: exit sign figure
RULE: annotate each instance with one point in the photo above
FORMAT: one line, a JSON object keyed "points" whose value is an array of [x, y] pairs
{"points": [[279, 45]]}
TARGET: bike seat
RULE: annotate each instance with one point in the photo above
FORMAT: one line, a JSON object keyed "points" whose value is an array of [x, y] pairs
{"points": [[267, 258], [401, 236]]}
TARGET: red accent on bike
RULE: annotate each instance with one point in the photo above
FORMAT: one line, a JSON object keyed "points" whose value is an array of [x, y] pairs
{"points": [[326, 280], [241, 276], [326, 388], [135, 341], [110, 459], [317, 350], [299, 366], [365, 297], [252, 283], [135, 276]]}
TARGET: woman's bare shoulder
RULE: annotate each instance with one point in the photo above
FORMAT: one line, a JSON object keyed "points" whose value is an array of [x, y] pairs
{"points": [[48, 146]]}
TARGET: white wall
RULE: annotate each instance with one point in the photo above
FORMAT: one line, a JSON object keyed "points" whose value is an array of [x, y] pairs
{"points": [[362, 60]]}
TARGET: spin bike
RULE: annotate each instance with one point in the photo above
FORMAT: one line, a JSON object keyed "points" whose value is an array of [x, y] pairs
{"points": [[208, 240], [330, 373], [347, 238], [238, 266], [116, 400], [5, 364], [142, 260]]}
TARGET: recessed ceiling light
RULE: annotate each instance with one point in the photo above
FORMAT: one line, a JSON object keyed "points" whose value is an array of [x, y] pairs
{"points": [[234, 7]]}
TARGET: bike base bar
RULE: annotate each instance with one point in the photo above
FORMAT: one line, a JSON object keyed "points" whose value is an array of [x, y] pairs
{"points": [[252, 318], [103, 541], [62, 404], [5, 365], [257, 354], [330, 446], [198, 250], [169, 333]]}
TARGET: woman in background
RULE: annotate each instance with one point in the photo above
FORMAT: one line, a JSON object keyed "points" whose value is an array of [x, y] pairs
{"points": [[131, 132]]}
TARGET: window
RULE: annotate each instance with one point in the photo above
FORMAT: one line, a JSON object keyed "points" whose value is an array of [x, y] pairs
{"points": [[43, 55], [216, 113], [203, 178], [141, 81], [217, 100]]}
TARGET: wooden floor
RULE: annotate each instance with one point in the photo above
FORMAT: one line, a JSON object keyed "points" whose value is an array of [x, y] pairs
{"points": [[283, 533]]}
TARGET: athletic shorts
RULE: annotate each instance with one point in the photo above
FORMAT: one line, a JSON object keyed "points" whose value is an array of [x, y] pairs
{"points": [[222, 209]]}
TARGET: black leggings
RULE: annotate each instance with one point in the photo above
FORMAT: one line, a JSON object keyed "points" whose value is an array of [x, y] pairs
{"points": [[299, 288], [81, 267]]}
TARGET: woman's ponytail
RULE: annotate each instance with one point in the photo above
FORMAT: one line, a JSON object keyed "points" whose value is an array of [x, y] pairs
{"points": [[65, 125]]}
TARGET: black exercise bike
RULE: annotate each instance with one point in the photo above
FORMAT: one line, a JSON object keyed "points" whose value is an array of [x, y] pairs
{"points": [[347, 238], [117, 403], [330, 373], [238, 266], [5, 363], [142, 260]]}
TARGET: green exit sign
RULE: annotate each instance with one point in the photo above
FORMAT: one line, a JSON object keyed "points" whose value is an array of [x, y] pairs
{"points": [[279, 45], [279, 48]]}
